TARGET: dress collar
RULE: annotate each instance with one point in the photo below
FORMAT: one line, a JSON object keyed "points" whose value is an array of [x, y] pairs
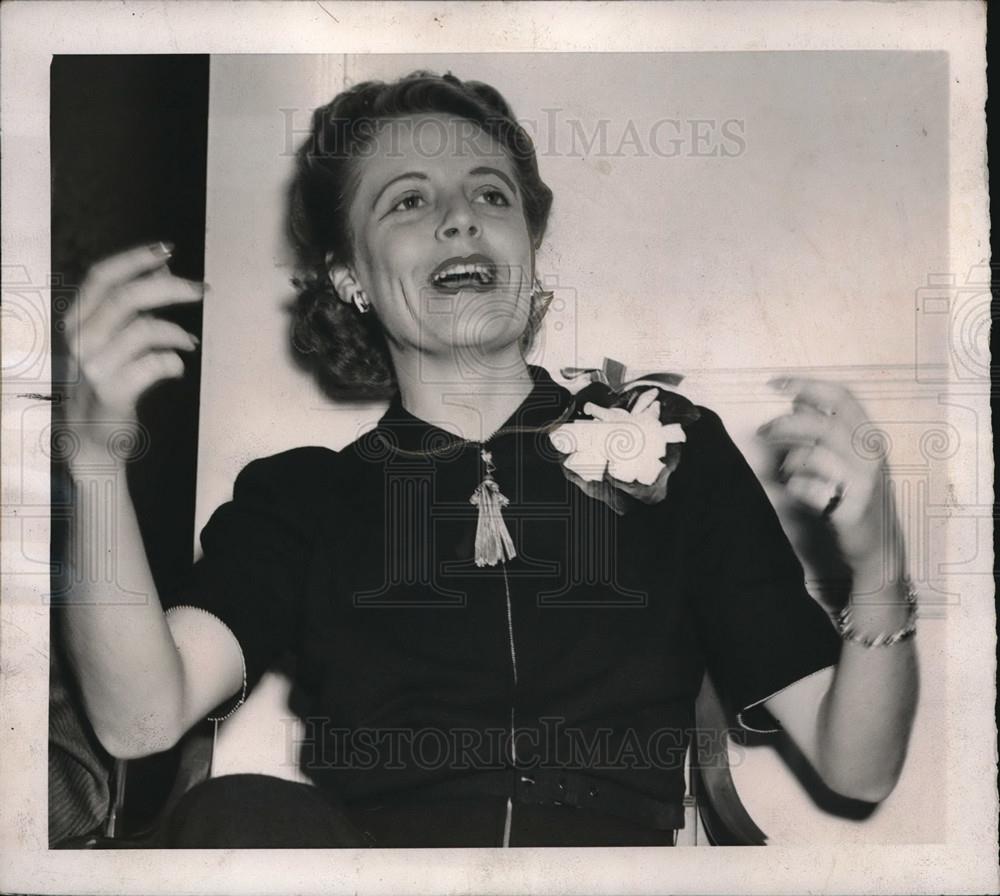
{"points": [[547, 403]]}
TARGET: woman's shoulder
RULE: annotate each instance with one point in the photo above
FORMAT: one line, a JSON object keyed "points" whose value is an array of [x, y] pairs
{"points": [[290, 491], [289, 475], [707, 450], [705, 425], [712, 468]]}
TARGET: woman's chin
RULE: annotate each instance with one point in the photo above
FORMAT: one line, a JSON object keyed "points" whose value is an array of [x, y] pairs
{"points": [[468, 300], [473, 322], [493, 339]]}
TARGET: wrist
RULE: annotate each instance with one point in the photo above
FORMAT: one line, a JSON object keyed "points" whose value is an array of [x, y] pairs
{"points": [[880, 619], [874, 579], [98, 448], [89, 457], [880, 567]]}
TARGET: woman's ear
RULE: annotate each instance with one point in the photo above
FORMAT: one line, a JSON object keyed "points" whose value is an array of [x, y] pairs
{"points": [[345, 284]]}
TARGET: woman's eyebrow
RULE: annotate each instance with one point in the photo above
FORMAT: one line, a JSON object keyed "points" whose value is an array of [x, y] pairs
{"points": [[484, 169], [398, 177]]}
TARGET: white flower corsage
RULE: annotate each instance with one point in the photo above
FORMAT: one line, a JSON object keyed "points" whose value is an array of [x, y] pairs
{"points": [[626, 439]]}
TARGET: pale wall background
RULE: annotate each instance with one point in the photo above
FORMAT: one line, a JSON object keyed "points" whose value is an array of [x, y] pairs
{"points": [[803, 252]]}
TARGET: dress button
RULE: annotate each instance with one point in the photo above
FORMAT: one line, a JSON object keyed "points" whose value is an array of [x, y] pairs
{"points": [[593, 792]]}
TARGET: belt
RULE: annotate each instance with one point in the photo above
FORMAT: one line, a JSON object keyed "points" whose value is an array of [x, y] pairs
{"points": [[563, 788], [550, 787]]}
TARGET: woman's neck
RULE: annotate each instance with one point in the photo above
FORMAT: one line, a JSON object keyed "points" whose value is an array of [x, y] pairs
{"points": [[470, 400]]}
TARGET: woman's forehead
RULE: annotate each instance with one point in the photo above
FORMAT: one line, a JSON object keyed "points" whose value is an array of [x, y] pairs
{"points": [[430, 143]]}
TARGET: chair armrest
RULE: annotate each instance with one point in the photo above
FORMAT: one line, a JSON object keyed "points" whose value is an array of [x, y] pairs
{"points": [[723, 814], [194, 766]]}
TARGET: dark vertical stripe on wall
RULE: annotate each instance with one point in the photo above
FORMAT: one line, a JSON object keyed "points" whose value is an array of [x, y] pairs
{"points": [[993, 153], [128, 141]]}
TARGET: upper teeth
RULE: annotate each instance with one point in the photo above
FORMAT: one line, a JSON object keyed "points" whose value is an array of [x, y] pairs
{"points": [[481, 271]]}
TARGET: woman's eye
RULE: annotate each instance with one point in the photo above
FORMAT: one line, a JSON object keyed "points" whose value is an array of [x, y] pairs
{"points": [[495, 197], [408, 202]]}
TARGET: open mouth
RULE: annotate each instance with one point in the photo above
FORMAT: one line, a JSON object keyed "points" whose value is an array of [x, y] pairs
{"points": [[470, 272]]}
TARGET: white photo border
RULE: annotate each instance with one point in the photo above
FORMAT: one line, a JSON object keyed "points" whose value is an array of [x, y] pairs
{"points": [[33, 32]]}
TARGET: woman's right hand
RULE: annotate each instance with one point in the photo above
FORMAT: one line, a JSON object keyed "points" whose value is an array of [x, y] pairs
{"points": [[118, 348]]}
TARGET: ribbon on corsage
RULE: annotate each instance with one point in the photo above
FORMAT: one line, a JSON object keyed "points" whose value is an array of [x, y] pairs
{"points": [[624, 437]]}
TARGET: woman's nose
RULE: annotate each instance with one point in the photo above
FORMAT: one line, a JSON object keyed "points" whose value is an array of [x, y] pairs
{"points": [[459, 221], [452, 232]]}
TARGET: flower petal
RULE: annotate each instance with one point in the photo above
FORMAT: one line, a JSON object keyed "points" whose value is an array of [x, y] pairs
{"points": [[645, 401], [563, 440], [674, 432], [588, 465], [605, 415], [642, 469]]}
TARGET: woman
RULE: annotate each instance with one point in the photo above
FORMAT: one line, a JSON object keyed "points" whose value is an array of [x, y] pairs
{"points": [[498, 632]]}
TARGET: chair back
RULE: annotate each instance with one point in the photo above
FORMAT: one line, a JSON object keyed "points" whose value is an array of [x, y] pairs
{"points": [[725, 818]]}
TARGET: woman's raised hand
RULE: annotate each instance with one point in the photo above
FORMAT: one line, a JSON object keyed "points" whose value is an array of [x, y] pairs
{"points": [[144, 679], [833, 464], [119, 348]]}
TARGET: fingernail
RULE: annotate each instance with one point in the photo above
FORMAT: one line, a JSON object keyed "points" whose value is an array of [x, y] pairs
{"points": [[779, 382], [163, 249], [763, 429], [195, 340], [206, 287]]}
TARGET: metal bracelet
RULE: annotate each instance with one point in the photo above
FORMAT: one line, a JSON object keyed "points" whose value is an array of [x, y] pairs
{"points": [[845, 624]]}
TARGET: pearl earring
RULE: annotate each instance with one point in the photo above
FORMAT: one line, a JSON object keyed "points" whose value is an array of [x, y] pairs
{"points": [[361, 302]]}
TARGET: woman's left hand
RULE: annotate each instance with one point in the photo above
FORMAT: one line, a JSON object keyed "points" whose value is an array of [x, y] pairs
{"points": [[824, 469]]}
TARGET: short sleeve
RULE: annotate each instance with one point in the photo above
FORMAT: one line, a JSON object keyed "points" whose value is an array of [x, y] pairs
{"points": [[256, 549], [760, 628]]}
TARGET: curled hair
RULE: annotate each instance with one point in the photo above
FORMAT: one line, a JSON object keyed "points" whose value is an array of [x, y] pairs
{"points": [[348, 351]]}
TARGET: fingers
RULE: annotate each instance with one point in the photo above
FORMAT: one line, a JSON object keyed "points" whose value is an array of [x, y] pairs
{"points": [[139, 376], [152, 367], [99, 334], [815, 461], [116, 270], [116, 397], [814, 493], [823, 396], [821, 468], [122, 350], [159, 290], [804, 426], [145, 334], [149, 293], [119, 377]]}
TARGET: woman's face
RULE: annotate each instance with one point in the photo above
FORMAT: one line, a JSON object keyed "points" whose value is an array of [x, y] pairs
{"points": [[442, 248]]}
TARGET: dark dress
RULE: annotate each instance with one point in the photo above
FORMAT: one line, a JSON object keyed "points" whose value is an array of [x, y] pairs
{"points": [[413, 665]]}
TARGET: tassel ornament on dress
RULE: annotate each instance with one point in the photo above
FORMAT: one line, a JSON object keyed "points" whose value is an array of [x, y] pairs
{"points": [[493, 541]]}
